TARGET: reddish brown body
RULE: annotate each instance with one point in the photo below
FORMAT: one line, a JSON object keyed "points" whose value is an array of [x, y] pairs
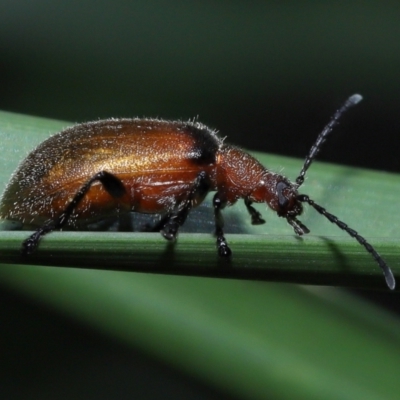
{"points": [[156, 161]]}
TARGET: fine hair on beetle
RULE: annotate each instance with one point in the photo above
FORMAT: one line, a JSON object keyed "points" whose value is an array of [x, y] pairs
{"points": [[153, 166]]}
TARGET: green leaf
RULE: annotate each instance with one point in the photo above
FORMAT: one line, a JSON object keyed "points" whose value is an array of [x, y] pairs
{"points": [[249, 339]]}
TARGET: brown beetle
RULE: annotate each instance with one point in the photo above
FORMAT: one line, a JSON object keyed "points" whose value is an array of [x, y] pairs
{"points": [[96, 169]]}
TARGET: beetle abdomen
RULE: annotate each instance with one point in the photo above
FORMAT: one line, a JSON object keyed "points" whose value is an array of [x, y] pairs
{"points": [[156, 161]]}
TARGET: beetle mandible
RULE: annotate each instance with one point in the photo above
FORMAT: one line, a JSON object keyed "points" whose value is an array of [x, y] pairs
{"points": [[153, 166]]}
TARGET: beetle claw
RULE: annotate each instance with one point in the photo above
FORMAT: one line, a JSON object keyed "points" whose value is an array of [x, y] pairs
{"points": [[257, 220], [223, 248], [28, 246], [170, 230]]}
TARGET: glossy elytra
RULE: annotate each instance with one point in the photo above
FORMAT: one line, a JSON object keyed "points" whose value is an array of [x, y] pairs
{"points": [[97, 169]]}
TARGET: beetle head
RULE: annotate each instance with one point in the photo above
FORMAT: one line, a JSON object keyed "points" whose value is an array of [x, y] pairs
{"points": [[289, 206]]}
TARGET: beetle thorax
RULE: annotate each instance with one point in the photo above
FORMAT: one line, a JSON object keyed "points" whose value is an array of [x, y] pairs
{"points": [[239, 175]]}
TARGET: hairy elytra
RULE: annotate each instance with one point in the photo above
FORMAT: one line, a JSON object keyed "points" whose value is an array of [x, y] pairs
{"points": [[98, 169]]}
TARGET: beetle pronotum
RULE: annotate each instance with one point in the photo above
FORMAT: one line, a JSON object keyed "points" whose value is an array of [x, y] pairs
{"points": [[94, 169]]}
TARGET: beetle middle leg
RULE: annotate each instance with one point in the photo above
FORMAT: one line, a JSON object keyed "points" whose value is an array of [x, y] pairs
{"points": [[111, 184], [170, 223], [222, 245]]}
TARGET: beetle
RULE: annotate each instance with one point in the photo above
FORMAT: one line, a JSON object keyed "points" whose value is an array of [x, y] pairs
{"points": [[96, 169]]}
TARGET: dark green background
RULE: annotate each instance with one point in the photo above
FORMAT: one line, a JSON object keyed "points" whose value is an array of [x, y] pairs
{"points": [[266, 74]]}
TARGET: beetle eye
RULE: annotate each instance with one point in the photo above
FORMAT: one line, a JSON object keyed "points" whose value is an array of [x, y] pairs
{"points": [[282, 200]]}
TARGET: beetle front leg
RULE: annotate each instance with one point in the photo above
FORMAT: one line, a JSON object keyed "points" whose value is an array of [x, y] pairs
{"points": [[171, 222], [222, 245], [111, 184], [256, 218]]}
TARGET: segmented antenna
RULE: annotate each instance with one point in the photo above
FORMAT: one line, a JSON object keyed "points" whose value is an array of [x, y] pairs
{"points": [[387, 272], [350, 102]]}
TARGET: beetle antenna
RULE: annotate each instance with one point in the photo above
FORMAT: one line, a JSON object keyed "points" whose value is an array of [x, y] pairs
{"points": [[387, 272], [350, 102]]}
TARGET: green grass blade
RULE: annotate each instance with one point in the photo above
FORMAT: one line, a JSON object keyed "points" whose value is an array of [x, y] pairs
{"points": [[313, 260], [250, 339]]}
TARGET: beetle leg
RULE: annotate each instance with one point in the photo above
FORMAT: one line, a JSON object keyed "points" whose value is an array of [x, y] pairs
{"points": [[111, 184], [171, 222], [222, 245], [256, 218]]}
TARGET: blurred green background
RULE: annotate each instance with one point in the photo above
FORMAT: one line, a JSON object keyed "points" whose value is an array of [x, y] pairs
{"points": [[266, 74]]}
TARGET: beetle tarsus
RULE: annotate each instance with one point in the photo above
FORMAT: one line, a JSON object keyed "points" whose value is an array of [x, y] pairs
{"points": [[28, 246], [222, 245], [298, 227], [170, 230], [223, 248], [256, 217]]}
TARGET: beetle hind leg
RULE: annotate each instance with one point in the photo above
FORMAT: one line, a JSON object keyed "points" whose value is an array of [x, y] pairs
{"points": [[170, 224], [111, 184], [29, 245]]}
